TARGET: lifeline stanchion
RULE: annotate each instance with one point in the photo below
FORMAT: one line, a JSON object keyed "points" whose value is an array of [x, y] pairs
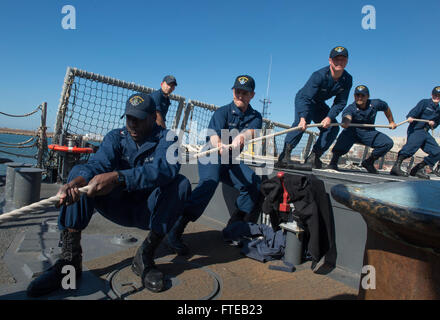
{"points": [[49, 202]]}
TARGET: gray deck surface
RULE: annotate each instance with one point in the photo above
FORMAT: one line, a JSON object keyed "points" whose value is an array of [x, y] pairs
{"points": [[238, 278], [213, 270]]}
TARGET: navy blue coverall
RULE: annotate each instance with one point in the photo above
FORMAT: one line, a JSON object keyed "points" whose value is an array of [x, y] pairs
{"points": [[162, 103], [310, 104], [238, 175], [155, 192], [366, 136], [418, 135]]}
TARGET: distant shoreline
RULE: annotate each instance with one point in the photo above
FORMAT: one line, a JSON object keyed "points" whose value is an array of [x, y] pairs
{"points": [[23, 132]]}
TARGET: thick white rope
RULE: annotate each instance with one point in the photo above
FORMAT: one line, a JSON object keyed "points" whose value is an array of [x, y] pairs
{"points": [[54, 200], [359, 125], [49, 202]]}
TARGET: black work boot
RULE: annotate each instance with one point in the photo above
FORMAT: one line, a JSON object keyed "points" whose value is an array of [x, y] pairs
{"points": [[284, 160], [143, 263], [174, 237], [51, 279], [396, 169], [254, 215], [314, 160], [369, 164], [334, 162], [237, 215], [419, 171]]}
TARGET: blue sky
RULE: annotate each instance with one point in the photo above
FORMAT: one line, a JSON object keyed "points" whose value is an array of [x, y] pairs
{"points": [[205, 44]]}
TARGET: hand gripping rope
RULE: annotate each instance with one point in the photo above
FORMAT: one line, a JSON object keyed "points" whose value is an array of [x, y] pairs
{"points": [[201, 154], [54, 200], [49, 202]]}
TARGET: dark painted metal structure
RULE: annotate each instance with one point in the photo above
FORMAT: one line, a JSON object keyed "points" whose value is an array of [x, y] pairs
{"points": [[350, 227], [403, 237]]}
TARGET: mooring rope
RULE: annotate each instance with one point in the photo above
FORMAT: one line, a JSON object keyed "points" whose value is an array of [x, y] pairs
{"points": [[43, 204], [54, 200], [360, 125]]}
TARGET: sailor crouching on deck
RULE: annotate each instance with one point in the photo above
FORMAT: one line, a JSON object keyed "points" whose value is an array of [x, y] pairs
{"points": [[418, 136], [328, 82], [132, 184], [238, 115], [363, 111]]}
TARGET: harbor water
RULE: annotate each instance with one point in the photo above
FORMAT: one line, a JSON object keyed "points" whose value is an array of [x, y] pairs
{"points": [[5, 152]]}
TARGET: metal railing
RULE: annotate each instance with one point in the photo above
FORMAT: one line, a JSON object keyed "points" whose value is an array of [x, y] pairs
{"points": [[38, 140], [91, 104]]}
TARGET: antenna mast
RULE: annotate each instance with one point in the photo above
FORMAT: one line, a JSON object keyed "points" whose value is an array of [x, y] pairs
{"points": [[266, 100]]}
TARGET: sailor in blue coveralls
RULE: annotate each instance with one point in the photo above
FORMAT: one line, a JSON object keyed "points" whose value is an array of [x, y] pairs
{"points": [[419, 136], [363, 111], [161, 98], [132, 184], [238, 115], [328, 82]]}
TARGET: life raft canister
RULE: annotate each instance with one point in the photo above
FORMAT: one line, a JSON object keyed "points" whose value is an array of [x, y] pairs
{"points": [[56, 147]]}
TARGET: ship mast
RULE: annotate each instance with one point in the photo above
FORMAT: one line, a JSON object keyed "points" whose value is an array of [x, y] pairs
{"points": [[266, 101]]}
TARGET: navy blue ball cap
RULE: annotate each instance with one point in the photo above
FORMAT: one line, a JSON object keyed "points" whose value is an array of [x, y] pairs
{"points": [[169, 79], [436, 91], [339, 51], [140, 106], [361, 89], [244, 82]]}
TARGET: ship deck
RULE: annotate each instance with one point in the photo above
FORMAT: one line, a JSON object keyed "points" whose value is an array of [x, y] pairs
{"points": [[214, 270]]}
